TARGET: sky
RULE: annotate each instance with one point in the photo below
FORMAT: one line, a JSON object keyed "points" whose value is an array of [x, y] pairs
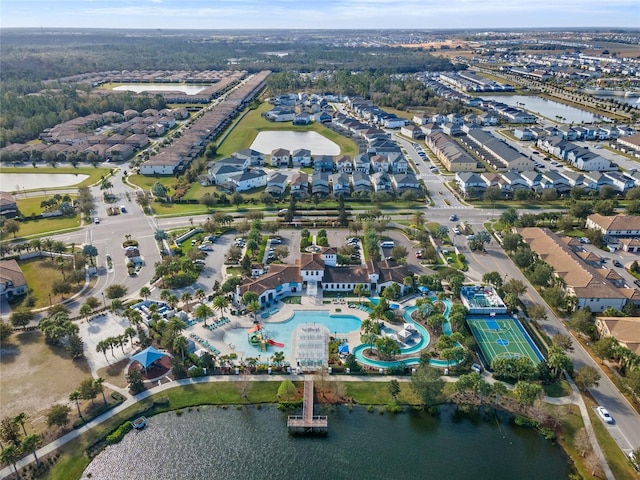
{"points": [[318, 14]]}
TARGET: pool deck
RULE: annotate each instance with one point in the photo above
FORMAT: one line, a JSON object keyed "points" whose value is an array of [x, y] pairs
{"points": [[285, 312]]}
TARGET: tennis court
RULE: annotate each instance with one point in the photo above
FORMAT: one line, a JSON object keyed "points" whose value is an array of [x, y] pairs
{"points": [[503, 337]]}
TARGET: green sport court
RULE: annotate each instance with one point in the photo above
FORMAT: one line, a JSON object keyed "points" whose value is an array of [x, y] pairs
{"points": [[503, 336]]}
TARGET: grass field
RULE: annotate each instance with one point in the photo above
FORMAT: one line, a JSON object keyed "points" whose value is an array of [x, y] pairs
{"points": [[95, 173], [31, 205], [43, 226], [40, 274]]}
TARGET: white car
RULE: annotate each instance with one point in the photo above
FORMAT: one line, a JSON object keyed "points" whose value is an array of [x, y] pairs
{"points": [[604, 414]]}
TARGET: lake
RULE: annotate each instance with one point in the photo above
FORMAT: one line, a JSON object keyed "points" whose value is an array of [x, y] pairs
{"points": [[154, 87], [546, 108], [252, 444], [266, 142], [31, 181], [633, 101]]}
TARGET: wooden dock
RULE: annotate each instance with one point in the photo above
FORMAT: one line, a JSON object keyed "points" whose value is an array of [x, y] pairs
{"points": [[308, 423]]}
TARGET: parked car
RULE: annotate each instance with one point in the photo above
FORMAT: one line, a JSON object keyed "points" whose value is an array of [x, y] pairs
{"points": [[616, 263], [470, 237], [96, 220], [419, 254], [123, 209], [276, 241], [456, 230], [604, 414], [584, 240]]}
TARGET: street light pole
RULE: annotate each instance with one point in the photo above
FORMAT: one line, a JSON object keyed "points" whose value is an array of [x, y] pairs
{"points": [[104, 303]]}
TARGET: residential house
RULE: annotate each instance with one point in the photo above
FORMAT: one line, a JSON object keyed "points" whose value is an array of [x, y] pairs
{"points": [[532, 179], [302, 118], [453, 156], [277, 184], [280, 156], [580, 280], [470, 184], [301, 157], [620, 182], [379, 164], [249, 180], [420, 119], [362, 163], [452, 129], [567, 133], [381, 182], [404, 182], [411, 131], [625, 330], [615, 225], [430, 128], [340, 184], [513, 181], [320, 183], [280, 114], [324, 163], [255, 158], [300, 185], [398, 164], [12, 281], [523, 133], [361, 182], [8, 205], [344, 164]]}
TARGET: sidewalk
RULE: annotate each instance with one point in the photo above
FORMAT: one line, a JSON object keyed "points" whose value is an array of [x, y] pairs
{"points": [[575, 398]]}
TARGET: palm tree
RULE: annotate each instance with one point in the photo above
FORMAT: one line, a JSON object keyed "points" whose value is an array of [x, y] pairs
{"points": [[186, 298], [19, 419], [203, 311], [75, 396], [145, 292], [130, 332], [200, 295], [116, 306], [180, 344], [98, 385], [102, 347], [31, 443], [252, 362], [85, 311], [176, 325], [278, 358], [173, 301], [359, 290], [254, 307], [220, 303], [105, 184], [9, 455], [164, 295]]}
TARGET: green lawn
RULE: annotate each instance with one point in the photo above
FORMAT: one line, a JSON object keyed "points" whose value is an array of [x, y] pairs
{"points": [[146, 182], [95, 173], [31, 205], [43, 226], [39, 274]]}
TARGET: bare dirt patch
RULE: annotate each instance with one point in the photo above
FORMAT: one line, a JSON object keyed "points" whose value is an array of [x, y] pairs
{"points": [[34, 376], [115, 374]]}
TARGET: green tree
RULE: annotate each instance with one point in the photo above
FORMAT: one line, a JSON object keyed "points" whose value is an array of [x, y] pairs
{"points": [[387, 347], [75, 396], [115, 291], [98, 385], [427, 384], [30, 443], [287, 391], [56, 327], [10, 455], [11, 227], [145, 292], [493, 278], [586, 377], [21, 317], [203, 311], [526, 392], [220, 303], [9, 431], [58, 415], [135, 380], [87, 389], [604, 348], [394, 388]]}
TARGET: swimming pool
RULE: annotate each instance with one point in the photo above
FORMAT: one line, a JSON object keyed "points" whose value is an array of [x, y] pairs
{"points": [[423, 343], [282, 332]]}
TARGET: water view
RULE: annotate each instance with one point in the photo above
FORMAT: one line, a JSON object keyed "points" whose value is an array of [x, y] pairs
{"points": [[251, 444], [633, 101], [154, 87], [547, 108], [32, 181], [266, 142]]}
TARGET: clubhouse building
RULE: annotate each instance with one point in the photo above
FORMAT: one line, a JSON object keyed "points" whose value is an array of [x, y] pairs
{"points": [[317, 272]]}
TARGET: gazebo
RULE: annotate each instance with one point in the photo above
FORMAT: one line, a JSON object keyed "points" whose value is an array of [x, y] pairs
{"points": [[147, 356]]}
